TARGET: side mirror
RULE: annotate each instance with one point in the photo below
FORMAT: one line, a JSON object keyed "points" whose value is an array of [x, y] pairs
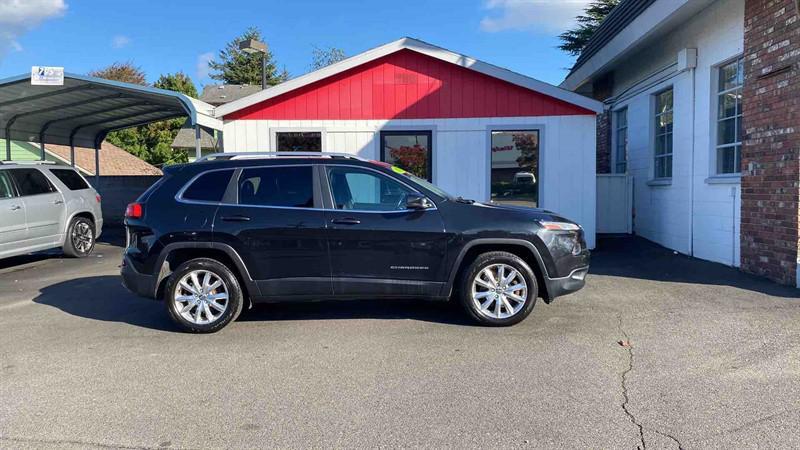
{"points": [[418, 201]]}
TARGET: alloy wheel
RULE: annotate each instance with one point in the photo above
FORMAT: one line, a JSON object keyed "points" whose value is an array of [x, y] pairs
{"points": [[201, 297], [82, 237], [499, 291]]}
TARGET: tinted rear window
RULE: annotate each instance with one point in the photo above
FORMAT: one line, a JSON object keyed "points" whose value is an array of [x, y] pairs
{"points": [[209, 187], [277, 186], [32, 182], [70, 178]]}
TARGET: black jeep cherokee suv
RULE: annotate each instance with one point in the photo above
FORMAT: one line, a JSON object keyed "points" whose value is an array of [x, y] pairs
{"points": [[213, 236]]}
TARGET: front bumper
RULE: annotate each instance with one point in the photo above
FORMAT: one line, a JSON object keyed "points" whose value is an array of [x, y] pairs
{"points": [[140, 284], [558, 287]]}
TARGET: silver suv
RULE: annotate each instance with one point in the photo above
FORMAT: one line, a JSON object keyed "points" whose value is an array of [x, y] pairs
{"points": [[47, 206]]}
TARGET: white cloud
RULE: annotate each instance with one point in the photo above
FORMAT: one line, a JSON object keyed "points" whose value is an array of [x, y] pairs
{"points": [[547, 16], [18, 17], [120, 41], [202, 65]]}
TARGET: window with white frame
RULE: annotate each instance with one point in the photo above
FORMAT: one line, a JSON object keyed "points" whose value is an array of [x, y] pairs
{"points": [[729, 117], [621, 142], [663, 134]]}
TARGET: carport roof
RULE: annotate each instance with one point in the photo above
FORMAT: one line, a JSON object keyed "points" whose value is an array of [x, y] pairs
{"points": [[85, 109]]}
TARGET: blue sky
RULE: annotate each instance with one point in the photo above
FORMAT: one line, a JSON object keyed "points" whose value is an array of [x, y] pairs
{"points": [[165, 36]]}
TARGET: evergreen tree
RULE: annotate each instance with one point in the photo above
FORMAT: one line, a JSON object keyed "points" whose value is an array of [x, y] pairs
{"points": [[575, 40], [237, 67]]}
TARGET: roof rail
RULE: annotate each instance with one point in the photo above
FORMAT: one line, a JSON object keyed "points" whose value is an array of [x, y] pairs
{"points": [[266, 155], [28, 163]]}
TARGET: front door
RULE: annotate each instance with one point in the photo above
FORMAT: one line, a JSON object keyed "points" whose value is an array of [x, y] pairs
{"points": [[12, 217], [377, 246], [44, 206], [278, 227]]}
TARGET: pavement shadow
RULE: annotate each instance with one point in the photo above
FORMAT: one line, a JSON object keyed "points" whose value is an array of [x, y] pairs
{"points": [[638, 258], [448, 313], [104, 298]]}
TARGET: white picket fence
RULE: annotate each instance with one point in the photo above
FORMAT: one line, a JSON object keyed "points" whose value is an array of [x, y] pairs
{"points": [[614, 203]]}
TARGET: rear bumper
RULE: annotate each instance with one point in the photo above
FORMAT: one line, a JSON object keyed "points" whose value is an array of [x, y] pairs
{"points": [[559, 287], [140, 284]]}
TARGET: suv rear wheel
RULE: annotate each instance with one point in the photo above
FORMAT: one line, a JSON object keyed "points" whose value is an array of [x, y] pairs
{"points": [[203, 296], [498, 289], [79, 241]]}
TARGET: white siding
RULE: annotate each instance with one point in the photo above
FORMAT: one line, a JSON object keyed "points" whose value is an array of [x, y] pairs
{"points": [[693, 215], [461, 153]]}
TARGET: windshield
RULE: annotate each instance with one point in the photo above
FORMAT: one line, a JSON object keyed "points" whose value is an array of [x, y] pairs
{"points": [[428, 185]]}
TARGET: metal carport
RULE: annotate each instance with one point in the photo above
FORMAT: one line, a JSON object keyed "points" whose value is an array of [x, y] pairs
{"points": [[84, 110]]}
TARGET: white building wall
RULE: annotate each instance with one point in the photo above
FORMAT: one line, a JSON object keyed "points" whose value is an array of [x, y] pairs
{"points": [[699, 212], [461, 153]]}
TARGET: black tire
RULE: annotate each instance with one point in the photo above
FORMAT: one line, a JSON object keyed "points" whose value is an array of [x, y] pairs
{"points": [[233, 305], [80, 239], [492, 260]]}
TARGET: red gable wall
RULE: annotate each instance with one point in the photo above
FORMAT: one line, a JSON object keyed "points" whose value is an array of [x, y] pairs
{"points": [[407, 85]]}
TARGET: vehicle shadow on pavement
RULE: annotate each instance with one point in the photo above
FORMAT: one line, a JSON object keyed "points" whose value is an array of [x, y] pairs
{"points": [[104, 298], [447, 313], [637, 258]]}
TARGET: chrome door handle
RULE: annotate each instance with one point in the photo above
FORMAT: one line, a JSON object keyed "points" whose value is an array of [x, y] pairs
{"points": [[58, 202], [16, 208], [346, 221]]}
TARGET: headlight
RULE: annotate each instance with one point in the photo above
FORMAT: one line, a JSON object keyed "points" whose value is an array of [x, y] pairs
{"points": [[559, 226]]}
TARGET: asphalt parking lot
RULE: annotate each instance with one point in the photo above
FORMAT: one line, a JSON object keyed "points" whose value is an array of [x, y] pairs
{"points": [[659, 350]]}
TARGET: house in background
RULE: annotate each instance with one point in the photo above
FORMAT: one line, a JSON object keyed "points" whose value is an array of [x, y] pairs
{"points": [[702, 110], [475, 129], [114, 161], [214, 95]]}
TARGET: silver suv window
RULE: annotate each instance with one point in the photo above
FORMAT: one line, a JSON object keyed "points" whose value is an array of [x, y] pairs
{"points": [[31, 182], [6, 186], [71, 179]]}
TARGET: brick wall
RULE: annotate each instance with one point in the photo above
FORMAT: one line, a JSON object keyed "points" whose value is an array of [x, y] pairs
{"points": [[604, 142], [771, 122]]}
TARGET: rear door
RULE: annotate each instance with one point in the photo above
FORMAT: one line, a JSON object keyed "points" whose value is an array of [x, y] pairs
{"points": [[12, 217], [377, 246], [44, 206], [278, 227]]}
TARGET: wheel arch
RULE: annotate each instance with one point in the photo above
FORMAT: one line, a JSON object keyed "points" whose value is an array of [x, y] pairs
{"points": [[524, 249], [177, 253]]}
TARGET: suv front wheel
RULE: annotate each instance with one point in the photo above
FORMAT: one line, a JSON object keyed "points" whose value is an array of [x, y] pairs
{"points": [[498, 289], [203, 296]]}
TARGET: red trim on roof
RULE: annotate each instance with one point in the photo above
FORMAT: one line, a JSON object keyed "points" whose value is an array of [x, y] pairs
{"points": [[407, 85]]}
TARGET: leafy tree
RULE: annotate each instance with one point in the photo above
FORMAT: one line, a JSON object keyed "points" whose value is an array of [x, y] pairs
{"points": [[237, 67], [574, 41], [126, 72], [150, 142], [322, 57]]}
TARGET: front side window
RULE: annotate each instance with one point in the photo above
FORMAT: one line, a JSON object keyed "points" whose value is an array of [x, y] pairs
{"points": [[663, 135], [729, 117], [298, 141], [515, 167], [621, 144], [6, 188], [409, 150], [364, 190], [289, 186], [209, 187], [71, 179], [32, 182]]}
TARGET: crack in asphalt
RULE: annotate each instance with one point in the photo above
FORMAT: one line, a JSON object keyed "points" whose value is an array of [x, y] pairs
{"points": [[626, 344]]}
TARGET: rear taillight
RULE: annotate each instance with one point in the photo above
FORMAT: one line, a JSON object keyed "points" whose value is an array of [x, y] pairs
{"points": [[97, 196], [134, 211]]}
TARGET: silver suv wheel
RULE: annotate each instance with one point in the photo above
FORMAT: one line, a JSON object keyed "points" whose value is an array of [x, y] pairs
{"points": [[499, 291], [82, 237], [201, 297]]}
